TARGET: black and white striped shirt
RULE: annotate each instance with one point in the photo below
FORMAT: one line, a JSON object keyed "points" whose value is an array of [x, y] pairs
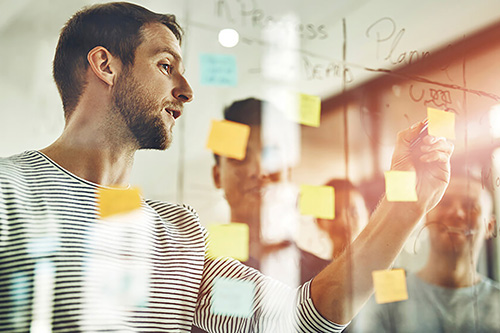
{"points": [[63, 269]]}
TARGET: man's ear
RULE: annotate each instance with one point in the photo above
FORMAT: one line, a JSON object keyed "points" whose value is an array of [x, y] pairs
{"points": [[104, 65], [216, 175], [491, 228]]}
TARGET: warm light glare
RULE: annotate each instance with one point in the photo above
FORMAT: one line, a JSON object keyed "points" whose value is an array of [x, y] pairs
{"points": [[228, 37]]}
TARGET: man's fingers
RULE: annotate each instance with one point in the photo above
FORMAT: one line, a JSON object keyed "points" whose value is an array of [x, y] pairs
{"points": [[436, 144], [435, 156], [436, 150], [441, 172], [408, 135]]}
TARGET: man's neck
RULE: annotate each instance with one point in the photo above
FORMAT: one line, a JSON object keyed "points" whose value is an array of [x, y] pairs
{"points": [[94, 154], [248, 215], [101, 166], [450, 271]]}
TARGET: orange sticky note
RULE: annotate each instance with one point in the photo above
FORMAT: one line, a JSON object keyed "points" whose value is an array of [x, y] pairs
{"points": [[228, 240], [400, 185], [117, 201], [318, 201], [441, 123], [389, 285], [309, 110], [228, 138]]}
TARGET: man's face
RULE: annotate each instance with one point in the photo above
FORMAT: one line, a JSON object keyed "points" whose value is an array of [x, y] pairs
{"points": [[244, 182], [462, 218], [351, 216], [150, 93]]}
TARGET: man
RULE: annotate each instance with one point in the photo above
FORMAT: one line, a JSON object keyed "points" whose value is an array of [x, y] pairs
{"points": [[448, 294], [119, 71], [351, 216], [258, 191]]}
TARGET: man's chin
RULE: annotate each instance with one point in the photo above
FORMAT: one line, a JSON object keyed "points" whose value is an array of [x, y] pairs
{"points": [[157, 145]]}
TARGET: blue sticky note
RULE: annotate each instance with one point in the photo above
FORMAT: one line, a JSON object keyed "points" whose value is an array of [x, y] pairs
{"points": [[218, 69], [232, 297]]}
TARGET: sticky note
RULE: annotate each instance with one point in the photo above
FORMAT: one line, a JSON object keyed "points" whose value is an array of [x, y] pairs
{"points": [[400, 185], [309, 110], [232, 297], [218, 69], [318, 201], [389, 285], [117, 201], [441, 123], [228, 240], [228, 138]]}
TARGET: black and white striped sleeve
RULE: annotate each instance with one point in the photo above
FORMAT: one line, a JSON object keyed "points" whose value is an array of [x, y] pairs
{"points": [[275, 306]]}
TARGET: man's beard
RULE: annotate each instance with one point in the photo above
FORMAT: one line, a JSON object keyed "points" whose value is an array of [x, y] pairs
{"points": [[141, 113]]}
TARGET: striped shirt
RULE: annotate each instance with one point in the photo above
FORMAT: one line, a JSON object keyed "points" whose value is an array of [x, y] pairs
{"points": [[64, 269]]}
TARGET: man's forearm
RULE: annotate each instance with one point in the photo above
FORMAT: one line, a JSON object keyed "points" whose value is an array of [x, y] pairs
{"points": [[342, 288]]}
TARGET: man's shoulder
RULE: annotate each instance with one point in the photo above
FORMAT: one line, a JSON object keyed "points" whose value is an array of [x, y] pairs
{"points": [[173, 212], [11, 160], [179, 217], [167, 207], [14, 165]]}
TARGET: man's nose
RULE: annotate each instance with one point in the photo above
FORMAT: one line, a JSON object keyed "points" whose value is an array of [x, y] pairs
{"points": [[182, 90], [259, 171], [458, 209]]}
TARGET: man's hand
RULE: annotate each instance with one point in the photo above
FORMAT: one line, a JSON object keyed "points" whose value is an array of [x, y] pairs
{"points": [[432, 166]]}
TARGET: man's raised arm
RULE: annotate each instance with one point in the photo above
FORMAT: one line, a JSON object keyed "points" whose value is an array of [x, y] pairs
{"points": [[341, 289]]}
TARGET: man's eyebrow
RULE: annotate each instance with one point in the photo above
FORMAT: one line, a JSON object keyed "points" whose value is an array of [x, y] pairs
{"points": [[173, 53], [166, 49]]}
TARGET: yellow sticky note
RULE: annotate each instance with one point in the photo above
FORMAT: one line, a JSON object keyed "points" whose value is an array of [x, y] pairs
{"points": [[441, 123], [228, 240], [400, 185], [232, 297], [318, 201], [389, 285], [117, 201], [309, 110], [228, 138]]}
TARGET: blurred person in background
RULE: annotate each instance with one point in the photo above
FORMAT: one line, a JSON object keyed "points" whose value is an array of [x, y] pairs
{"points": [[448, 294], [258, 189]]}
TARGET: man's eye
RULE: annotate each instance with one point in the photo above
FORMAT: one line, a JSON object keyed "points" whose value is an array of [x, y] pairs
{"points": [[167, 68]]}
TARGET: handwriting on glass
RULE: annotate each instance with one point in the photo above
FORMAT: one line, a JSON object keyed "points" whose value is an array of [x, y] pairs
{"points": [[385, 32]]}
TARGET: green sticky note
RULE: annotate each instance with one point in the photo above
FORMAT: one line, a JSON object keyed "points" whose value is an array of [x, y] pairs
{"points": [[441, 123], [317, 201], [309, 110], [228, 240], [117, 201], [389, 285], [232, 297], [228, 138], [218, 70], [400, 185]]}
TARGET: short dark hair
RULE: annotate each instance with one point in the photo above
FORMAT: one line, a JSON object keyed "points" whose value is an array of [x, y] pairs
{"points": [[115, 26], [246, 111]]}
